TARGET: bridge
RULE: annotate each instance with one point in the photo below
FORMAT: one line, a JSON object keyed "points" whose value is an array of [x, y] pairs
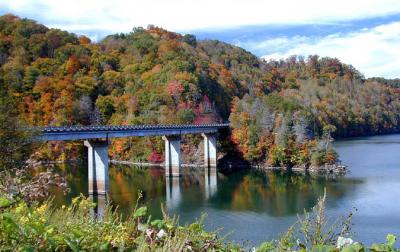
{"points": [[96, 139]]}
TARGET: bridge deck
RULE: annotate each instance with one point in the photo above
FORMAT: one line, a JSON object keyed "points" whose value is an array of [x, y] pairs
{"points": [[92, 132]]}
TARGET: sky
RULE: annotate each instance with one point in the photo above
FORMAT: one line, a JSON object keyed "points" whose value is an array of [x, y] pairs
{"points": [[363, 33]]}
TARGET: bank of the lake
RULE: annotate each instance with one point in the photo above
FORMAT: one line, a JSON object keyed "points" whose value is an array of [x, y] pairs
{"points": [[256, 206]]}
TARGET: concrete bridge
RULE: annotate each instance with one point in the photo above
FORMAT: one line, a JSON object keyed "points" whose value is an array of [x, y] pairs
{"points": [[96, 139]]}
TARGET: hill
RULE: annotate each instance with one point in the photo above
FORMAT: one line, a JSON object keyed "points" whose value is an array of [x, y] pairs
{"points": [[281, 111]]}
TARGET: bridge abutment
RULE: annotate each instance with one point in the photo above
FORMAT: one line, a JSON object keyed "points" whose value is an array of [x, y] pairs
{"points": [[210, 150], [98, 166], [172, 155]]}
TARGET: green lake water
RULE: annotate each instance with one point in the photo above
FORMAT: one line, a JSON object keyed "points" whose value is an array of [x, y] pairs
{"points": [[253, 206]]}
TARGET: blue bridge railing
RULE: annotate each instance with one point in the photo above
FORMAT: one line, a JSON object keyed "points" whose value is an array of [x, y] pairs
{"points": [[50, 133]]}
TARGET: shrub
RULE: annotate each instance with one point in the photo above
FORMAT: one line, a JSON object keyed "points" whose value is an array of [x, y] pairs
{"points": [[320, 157], [41, 227]]}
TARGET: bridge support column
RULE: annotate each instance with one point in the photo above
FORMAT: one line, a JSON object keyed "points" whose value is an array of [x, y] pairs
{"points": [[172, 155], [98, 166], [210, 150]]}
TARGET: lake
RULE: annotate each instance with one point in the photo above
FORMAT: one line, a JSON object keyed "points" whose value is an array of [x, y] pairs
{"points": [[254, 206]]}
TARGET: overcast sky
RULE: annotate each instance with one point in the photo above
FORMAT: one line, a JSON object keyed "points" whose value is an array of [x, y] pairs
{"points": [[364, 33]]}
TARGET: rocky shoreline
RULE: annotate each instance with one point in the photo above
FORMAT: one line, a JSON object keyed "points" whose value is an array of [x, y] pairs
{"points": [[327, 169]]}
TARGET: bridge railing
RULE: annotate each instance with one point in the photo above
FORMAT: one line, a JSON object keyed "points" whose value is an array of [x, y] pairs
{"points": [[64, 133], [48, 129]]}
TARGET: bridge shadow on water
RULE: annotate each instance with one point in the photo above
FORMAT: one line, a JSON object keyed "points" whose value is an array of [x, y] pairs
{"points": [[199, 189]]}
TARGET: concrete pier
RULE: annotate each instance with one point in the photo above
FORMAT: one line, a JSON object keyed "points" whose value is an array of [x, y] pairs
{"points": [[210, 150], [98, 166], [172, 155]]}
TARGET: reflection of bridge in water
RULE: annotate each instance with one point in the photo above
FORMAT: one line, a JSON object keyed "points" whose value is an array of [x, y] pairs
{"points": [[173, 187], [173, 191]]}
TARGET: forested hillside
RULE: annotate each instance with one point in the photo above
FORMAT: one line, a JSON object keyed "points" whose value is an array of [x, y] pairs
{"points": [[281, 112], [308, 102]]}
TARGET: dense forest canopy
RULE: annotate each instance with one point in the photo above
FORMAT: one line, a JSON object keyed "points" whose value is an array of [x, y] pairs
{"points": [[282, 112]]}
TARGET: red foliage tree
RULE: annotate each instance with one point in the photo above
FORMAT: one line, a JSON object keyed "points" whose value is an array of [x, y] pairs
{"points": [[155, 157], [175, 89]]}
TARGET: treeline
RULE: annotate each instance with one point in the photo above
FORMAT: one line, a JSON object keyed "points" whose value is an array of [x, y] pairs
{"points": [[282, 112], [390, 82], [306, 103]]}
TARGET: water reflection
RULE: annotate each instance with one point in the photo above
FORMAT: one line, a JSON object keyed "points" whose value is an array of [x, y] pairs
{"points": [[241, 201], [278, 193], [210, 181], [271, 193], [100, 201], [173, 192]]}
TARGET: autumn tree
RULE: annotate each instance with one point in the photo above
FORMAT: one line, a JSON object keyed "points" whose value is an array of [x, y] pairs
{"points": [[15, 137]]}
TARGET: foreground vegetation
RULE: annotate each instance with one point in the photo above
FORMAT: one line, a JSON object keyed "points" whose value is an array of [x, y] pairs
{"points": [[75, 228], [41, 227]]}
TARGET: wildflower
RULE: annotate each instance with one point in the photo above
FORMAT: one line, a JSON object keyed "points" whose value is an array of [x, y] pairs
{"points": [[161, 234], [42, 209], [75, 200], [117, 241], [50, 230], [108, 238], [342, 241], [20, 208], [24, 220], [142, 228]]}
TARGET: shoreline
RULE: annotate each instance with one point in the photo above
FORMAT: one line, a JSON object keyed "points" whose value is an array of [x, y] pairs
{"points": [[339, 138], [112, 161], [334, 169]]}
